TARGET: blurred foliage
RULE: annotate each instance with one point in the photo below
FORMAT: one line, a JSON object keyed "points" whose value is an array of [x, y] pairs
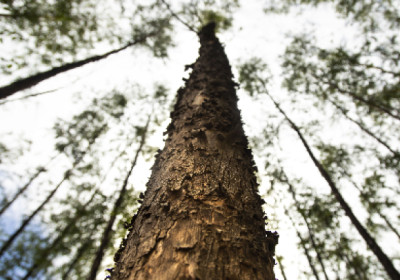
{"points": [[252, 75], [56, 32], [303, 64], [368, 12], [197, 13], [74, 138], [23, 253], [53, 27]]}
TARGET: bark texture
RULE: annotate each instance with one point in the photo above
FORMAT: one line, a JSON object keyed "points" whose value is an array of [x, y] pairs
{"points": [[201, 217]]}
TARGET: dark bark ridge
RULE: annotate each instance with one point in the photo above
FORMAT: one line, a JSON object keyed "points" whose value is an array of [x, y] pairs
{"points": [[201, 217]]}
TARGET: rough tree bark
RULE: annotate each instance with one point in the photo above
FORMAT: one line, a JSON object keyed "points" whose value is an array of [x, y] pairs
{"points": [[201, 217]]}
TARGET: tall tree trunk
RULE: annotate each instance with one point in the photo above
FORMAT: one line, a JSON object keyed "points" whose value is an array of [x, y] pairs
{"points": [[28, 96], [369, 240], [30, 81], [377, 211], [368, 102], [303, 244], [79, 253], [44, 255], [201, 217], [26, 222], [389, 224], [105, 240], [281, 267], [26, 186], [22, 190], [309, 228], [363, 128], [349, 264]]}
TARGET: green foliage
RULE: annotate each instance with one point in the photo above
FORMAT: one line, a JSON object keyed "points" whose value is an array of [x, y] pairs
{"points": [[369, 13], [3, 151], [52, 27], [371, 194], [113, 105], [198, 13], [158, 33], [51, 33], [160, 91], [75, 138], [126, 211], [336, 160], [253, 77], [22, 253], [340, 72], [222, 22]]}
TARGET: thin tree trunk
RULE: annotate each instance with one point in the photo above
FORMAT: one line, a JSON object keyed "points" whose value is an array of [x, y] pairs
{"points": [[30, 81], [201, 217], [282, 269], [310, 230], [25, 187], [191, 28], [12, 238], [389, 224], [303, 245], [44, 255], [307, 253], [85, 245], [77, 257], [27, 96], [371, 66], [370, 103], [21, 190], [363, 128], [25, 223], [115, 210], [360, 275], [369, 240]]}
